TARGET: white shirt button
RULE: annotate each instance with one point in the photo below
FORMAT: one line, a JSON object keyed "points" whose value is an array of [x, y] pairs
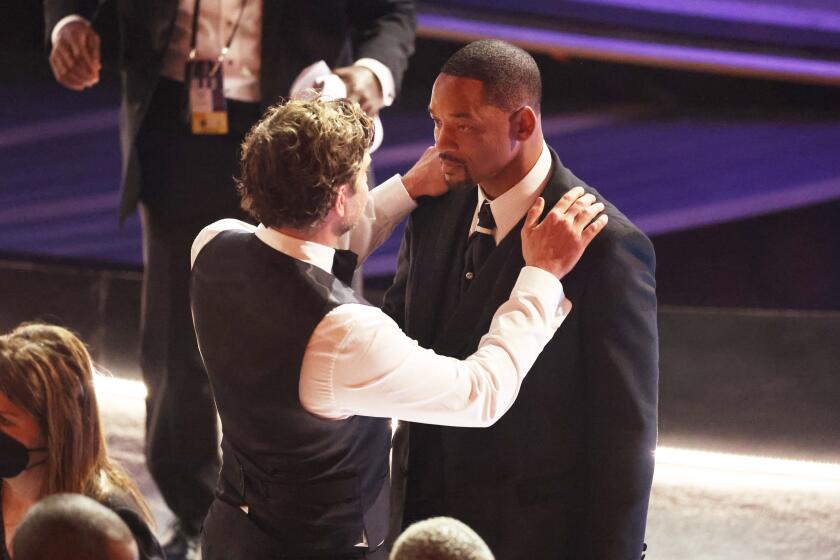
{"points": [[469, 275]]}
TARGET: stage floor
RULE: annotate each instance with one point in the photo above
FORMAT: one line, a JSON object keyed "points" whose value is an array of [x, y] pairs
{"points": [[703, 507]]}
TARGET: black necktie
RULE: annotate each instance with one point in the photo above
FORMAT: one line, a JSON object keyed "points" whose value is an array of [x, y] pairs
{"points": [[480, 245], [344, 265]]}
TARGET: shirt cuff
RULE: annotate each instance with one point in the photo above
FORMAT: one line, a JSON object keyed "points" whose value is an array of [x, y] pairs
{"points": [[547, 288], [392, 198], [64, 21], [384, 75]]}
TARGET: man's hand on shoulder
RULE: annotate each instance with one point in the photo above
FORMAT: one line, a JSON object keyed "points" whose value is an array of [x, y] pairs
{"points": [[557, 242], [425, 178], [75, 59]]}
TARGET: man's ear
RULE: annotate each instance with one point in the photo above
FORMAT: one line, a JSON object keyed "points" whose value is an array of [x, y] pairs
{"points": [[340, 205], [523, 123]]}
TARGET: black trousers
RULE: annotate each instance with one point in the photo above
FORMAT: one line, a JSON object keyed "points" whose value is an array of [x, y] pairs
{"points": [[187, 184], [229, 535]]}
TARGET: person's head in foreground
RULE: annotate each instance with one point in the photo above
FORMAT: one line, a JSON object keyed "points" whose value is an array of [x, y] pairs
{"points": [[72, 527], [304, 166], [486, 110], [440, 538], [52, 438]]}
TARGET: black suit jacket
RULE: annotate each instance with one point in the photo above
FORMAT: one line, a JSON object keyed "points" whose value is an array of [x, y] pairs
{"points": [[566, 473], [294, 35]]}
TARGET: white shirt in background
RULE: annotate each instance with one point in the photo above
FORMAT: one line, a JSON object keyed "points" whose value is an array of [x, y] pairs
{"points": [[242, 63]]}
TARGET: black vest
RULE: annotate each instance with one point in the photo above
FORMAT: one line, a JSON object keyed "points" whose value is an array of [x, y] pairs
{"points": [[313, 485]]}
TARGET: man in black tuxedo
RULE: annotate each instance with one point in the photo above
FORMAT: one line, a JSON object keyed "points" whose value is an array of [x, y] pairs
{"points": [[567, 472], [183, 181]]}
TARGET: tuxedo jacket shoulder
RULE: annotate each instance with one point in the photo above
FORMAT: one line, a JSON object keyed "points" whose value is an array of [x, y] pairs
{"points": [[431, 260]]}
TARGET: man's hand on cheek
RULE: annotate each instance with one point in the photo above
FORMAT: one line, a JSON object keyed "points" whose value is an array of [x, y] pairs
{"points": [[425, 178]]}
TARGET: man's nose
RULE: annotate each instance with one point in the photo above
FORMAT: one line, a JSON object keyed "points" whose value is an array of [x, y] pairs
{"points": [[443, 140]]}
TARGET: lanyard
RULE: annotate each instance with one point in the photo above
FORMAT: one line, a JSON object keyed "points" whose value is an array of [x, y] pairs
{"points": [[226, 48]]}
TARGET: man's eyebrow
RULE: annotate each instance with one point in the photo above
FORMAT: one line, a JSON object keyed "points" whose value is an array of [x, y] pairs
{"points": [[461, 115]]}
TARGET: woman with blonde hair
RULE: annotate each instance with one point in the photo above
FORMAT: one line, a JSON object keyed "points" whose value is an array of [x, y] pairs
{"points": [[51, 439]]}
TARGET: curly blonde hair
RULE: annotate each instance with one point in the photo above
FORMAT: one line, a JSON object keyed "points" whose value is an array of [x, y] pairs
{"points": [[296, 157]]}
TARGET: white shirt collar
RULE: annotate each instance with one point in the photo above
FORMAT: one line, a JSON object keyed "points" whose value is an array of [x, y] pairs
{"points": [[306, 251], [512, 206]]}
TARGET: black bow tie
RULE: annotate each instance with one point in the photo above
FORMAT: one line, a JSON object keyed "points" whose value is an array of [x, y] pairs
{"points": [[344, 265]]}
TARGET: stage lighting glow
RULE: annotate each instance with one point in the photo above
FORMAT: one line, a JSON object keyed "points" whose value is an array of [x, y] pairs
{"points": [[107, 387], [705, 468], [674, 466]]}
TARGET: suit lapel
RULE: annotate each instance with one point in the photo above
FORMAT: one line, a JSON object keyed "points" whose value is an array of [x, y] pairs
{"points": [[471, 317], [441, 228]]}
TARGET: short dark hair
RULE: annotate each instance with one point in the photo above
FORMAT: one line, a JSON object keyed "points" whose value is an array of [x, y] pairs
{"points": [[71, 526], [510, 75], [296, 157]]}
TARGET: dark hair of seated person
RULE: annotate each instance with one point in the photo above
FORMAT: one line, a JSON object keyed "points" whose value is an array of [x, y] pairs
{"points": [[73, 527]]}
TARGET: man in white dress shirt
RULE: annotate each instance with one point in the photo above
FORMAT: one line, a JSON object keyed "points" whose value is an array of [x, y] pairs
{"points": [[305, 373], [179, 173]]}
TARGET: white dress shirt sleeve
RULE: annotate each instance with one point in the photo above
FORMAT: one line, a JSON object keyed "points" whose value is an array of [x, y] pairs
{"points": [[64, 21], [383, 75], [358, 361], [207, 234], [387, 205]]}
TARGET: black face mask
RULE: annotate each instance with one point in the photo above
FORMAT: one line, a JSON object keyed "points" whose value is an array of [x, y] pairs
{"points": [[14, 456]]}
